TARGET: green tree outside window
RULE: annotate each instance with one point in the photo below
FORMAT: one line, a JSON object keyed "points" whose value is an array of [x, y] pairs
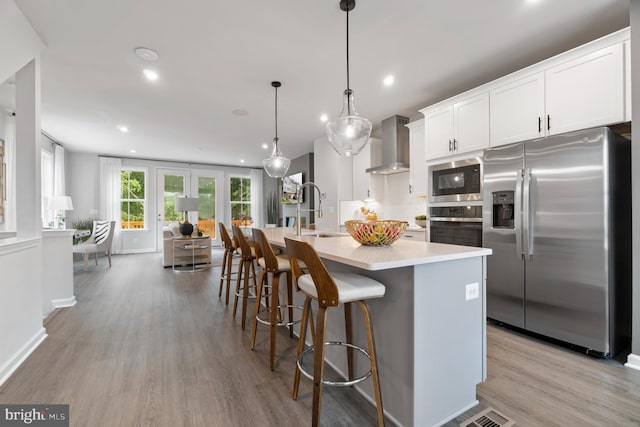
{"points": [[132, 199]]}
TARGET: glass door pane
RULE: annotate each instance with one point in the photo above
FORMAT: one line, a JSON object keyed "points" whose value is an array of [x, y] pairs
{"points": [[171, 183], [207, 205], [206, 187]]}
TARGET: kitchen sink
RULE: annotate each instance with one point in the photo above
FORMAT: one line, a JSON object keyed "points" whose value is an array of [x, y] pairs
{"points": [[322, 234]]}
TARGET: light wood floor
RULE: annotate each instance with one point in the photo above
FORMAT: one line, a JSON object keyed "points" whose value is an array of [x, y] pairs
{"points": [[146, 346]]}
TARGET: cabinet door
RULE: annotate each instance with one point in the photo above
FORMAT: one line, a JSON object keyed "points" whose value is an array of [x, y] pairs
{"points": [[517, 110], [418, 169], [586, 92], [471, 124], [363, 182], [439, 125]]}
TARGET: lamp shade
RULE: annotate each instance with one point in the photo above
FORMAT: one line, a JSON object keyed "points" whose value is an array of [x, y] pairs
{"points": [[60, 203], [186, 204]]}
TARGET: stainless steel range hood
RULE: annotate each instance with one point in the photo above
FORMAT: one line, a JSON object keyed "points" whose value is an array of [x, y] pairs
{"points": [[395, 147]]}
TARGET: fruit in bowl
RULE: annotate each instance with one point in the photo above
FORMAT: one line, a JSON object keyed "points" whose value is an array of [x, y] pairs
{"points": [[376, 233]]}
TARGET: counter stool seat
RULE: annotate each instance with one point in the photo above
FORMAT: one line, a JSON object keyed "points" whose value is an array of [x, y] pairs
{"points": [[331, 290], [351, 287]]}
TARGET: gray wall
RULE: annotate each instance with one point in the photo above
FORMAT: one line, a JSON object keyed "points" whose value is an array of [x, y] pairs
{"points": [[635, 170], [302, 164]]}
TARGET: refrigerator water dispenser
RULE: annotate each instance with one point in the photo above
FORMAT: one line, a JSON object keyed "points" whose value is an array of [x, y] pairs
{"points": [[503, 209]]}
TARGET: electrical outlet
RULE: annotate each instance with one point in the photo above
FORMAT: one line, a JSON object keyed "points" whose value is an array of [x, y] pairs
{"points": [[472, 291]]}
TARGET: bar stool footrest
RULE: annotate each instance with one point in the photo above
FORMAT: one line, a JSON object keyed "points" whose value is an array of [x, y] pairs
{"points": [[346, 383], [281, 323]]}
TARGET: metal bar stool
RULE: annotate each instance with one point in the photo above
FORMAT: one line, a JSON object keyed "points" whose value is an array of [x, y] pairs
{"points": [[246, 270], [330, 290], [277, 265], [227, 272]]}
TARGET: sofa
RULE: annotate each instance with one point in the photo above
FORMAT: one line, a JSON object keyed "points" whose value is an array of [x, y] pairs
{"points": [[173, 230]]}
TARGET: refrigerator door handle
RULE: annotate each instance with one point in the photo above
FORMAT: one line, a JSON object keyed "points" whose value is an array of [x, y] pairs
{"points": [[517, 213], [526, 207]]}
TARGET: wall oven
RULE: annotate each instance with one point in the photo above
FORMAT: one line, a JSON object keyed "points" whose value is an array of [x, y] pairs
{"points": [[456, 181], [456, 225]]}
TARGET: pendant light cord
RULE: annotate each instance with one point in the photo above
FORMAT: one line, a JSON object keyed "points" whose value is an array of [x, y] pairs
{"points": [[347, 48], [276, 138]]}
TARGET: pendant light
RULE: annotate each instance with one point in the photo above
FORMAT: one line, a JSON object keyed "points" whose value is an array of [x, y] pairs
{"points": [[349, 132], [277, 165]]}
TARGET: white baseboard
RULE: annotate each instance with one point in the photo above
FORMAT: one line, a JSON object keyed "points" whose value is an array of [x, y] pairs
{"points": [[64, 302], [21, 355], [633, 361]]}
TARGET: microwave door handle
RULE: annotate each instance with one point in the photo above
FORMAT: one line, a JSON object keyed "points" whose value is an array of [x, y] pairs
{"points": [[526, 207], [517, 214]]}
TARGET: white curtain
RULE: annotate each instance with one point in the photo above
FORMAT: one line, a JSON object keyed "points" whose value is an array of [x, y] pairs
{"points": [[257, 197], [109, 207], [58, 171]]}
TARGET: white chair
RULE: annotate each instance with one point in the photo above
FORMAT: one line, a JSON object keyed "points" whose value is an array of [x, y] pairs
{"points": [[100, 241]]}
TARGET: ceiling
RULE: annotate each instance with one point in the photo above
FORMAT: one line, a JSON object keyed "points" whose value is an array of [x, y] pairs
{"points": [[219, 56]]}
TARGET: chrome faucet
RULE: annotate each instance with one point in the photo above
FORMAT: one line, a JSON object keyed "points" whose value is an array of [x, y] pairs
{"points": [[298, 210]]}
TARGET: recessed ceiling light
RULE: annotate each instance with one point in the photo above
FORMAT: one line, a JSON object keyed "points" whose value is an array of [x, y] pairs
{"points": [[324, 118], [389, 80], [241, 160], [265, 145], [150, 74], [239, 112], [146, 54], [133, 151], [123, 129]]}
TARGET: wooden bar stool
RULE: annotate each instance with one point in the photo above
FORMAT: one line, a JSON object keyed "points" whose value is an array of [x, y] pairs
{"points": [[227, 272], [330, 290], [246, 271], [277, 265]]}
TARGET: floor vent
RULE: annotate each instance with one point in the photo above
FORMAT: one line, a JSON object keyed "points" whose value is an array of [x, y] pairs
{"points": [[488, 418]]}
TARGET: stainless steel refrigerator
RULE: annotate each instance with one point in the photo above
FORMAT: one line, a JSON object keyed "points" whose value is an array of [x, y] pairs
{"points": [[557, 214]]}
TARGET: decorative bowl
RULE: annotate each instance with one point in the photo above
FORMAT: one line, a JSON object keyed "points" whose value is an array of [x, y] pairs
{"points": [[376, 233]]}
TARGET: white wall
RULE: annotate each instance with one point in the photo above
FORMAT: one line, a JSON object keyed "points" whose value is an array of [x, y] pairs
{"points": [[82, 179]]}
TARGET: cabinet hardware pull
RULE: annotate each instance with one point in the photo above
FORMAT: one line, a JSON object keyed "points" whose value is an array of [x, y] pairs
{"points": [[449, 145], [539, 124], [548, 122], [455, 144], [410, 189]]}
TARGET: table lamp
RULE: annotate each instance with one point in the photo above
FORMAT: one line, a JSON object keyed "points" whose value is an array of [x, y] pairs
{"points": [[60, 204], [186, 204]]}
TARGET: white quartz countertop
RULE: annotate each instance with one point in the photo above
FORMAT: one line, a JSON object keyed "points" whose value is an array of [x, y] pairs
{"points": [[344, 249]]}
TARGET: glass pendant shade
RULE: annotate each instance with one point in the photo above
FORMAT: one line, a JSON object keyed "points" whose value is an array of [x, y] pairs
{"points": [[277, 165], [348, 133]]}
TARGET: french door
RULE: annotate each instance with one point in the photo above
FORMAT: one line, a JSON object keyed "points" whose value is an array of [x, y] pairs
{"points": [[205, 185]]}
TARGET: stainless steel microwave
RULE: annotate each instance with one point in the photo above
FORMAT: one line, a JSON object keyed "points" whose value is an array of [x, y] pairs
{"points": [[456, 181]]}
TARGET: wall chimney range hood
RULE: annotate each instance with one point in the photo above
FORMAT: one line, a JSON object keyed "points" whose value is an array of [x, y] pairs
{"points": [[395, 147]]}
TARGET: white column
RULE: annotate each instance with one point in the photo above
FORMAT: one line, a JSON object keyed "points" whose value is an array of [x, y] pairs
{"points": [[27, 170]]}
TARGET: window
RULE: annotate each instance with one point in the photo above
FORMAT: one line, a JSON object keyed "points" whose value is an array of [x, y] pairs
{"points": [[46, 187], [132, 199], [240, 195]]}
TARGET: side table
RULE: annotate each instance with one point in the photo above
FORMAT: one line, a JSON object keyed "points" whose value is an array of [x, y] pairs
{"points": [[191, 253]]}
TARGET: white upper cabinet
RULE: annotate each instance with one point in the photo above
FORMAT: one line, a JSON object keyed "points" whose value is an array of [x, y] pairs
{"points": [[458, 128], [471, 124], [364, 187], [585, 92], [439, 132], [418, 169], [517, 110], [627, 81]]}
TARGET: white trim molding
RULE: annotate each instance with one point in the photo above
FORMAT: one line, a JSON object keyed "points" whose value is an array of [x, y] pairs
{"points": [[21, 355], [64, 302], [633, 361]]}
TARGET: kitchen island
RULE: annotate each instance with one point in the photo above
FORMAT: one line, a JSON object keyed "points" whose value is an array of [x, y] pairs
{"points": [[429, 328]]}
